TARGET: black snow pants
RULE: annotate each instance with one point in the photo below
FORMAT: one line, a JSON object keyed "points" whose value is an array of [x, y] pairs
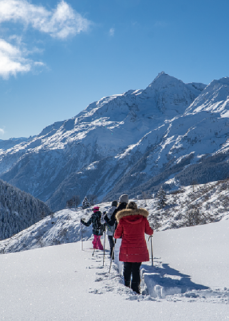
{"points": [[111, 241], [131, 272]]}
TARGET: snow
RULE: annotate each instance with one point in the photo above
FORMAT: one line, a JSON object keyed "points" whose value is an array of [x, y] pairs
{"points": [[206, 256], [225, 114], [189, 281]]}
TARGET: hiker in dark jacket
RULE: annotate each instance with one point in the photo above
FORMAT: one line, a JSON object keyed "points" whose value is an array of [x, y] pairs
{"points": [[110, 229], [97, 227], [123, 200], [132, 226]]}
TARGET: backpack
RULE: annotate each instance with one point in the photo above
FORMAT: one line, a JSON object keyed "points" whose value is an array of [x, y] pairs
{"points": [[98, 228]]}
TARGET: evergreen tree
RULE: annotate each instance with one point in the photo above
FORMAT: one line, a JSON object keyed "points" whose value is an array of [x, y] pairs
{"points": [[18, 210], [73, 202], [92, 199], [85, 203], [161, 195]]}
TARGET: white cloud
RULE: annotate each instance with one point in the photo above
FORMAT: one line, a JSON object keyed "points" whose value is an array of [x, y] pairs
{"points": [[111, 32], [12, 60], [2, 132], [59, 23], [39, 63]]}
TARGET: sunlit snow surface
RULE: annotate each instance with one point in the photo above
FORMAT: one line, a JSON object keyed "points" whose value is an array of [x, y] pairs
{"points": [[189, 281]]}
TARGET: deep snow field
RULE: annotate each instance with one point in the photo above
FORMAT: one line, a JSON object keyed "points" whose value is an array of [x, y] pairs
{"points": [[189, 280]]}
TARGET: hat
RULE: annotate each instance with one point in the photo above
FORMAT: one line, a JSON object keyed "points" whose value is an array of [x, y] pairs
{"points": [[132, 205], [95, 208], [114, 203], [123, 198]]}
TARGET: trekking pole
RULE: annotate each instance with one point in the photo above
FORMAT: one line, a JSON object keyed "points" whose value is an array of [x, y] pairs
{"points": [[112, 254], [104, 243], [81, 234], [151, 248], [111, 259]]}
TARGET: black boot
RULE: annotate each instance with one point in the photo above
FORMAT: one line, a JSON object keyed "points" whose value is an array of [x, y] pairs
{"points": [[135, 287], [135, 284]]}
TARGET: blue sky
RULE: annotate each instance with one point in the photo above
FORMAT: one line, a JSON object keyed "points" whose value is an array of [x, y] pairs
{"points": [[56, 57]]}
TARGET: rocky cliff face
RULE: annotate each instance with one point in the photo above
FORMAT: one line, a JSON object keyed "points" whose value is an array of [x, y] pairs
{"points": [[171, 133]]}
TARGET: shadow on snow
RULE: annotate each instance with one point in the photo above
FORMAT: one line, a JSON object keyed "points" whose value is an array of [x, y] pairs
{"points": [[164, 280]]}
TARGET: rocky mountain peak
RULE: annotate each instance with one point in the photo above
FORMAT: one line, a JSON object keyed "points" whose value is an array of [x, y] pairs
{"points": [[214, 98], [163, 80], [122, 142]]}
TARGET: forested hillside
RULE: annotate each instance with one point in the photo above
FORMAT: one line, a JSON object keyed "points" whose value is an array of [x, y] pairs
{"points": [[18, 210]]}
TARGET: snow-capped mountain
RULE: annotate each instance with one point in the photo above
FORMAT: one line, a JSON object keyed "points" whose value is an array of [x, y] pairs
{"points": [[170, 133]]}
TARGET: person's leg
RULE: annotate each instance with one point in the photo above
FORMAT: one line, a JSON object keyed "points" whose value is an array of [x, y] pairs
{"points": [[99, 242], [116, 255], [135, 272], [94, 242], [127, 273], [111, 242]]}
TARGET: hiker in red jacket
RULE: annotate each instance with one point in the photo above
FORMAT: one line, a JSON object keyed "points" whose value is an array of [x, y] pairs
{"points": [[132, 226]]}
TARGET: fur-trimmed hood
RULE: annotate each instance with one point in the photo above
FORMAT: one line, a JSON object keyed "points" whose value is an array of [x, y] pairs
{"points": [[129, 211]]}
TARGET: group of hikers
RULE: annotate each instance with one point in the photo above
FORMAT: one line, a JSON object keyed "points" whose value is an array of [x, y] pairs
{"points": [[128, 224]]}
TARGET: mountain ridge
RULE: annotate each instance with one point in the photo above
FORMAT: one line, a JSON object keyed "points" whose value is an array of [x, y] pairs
{"points": [[121, 142]]}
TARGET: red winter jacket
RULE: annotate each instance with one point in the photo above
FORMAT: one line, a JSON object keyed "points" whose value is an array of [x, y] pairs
{"points": [[132, 226]]}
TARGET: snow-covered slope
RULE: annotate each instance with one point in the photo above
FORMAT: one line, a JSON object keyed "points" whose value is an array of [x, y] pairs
{"points": [[214, 98], [170, 133], [189, 281], [7, 144], [192, 205]]}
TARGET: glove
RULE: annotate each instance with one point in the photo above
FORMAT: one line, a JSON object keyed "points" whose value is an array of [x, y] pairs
{"points": [[82, 220]]}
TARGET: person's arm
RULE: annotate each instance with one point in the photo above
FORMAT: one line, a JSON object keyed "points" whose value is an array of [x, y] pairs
{"points": [[148, 229], [112, 220], [119, 231], [86, 223], [102, 220]]}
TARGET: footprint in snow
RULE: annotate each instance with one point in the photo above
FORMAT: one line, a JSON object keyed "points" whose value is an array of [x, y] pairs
{"points": [[99, 279]]}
